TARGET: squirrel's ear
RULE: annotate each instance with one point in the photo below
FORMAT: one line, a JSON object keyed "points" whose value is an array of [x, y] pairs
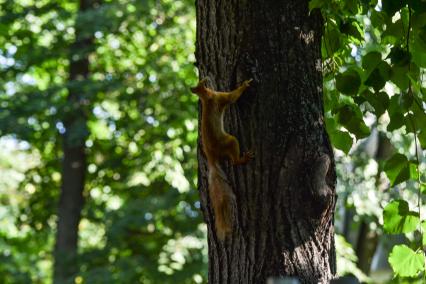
{"points": [[203, 82], [200, 89]]}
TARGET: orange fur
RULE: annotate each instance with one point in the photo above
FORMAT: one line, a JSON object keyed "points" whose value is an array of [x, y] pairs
{"points": [[219, 145]]}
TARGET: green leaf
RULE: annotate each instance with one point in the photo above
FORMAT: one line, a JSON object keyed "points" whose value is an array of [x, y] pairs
{"points": [[348, 82], [345, 114], [342, 140], [422, 36], [399, 75], [413, 170], [371, 60], [377, 19], [392, 6], [347, 260], [351, 119], [419, 58], [424, 233], [331, 99], [351, 29], [358, 127], [351, 6], [418, 20], [405, 262], [394, 33], [419, 116], [397, 120], [399, 56], [375, 80], [415, 84], [406, 101], [403, 175], [394, 104], [316, 4], [397, 169], [378, 77], [379, 101], [397, 218], [418, 6], [332, 40], [422, 138], [404, 15]]}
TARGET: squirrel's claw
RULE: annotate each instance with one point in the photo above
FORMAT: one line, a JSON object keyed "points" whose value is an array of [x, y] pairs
{"points": [[246, 83]]}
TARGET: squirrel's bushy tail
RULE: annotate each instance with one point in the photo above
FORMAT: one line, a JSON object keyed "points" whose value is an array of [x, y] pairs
{"points": [[221, 197]]}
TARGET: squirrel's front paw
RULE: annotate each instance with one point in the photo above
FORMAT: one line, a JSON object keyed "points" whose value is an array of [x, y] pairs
{"points": [[246, 83], [249, 155]]}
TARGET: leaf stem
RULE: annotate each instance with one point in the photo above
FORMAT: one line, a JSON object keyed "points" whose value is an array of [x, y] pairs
{"points": [[413, 124]]}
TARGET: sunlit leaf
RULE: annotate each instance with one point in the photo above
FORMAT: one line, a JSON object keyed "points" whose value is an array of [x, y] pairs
{"points": [[313, 4], [341, 140], [405, 262], [397, 218], [424, 231]]}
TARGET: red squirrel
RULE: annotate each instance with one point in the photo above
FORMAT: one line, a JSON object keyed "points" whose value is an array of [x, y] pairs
{"points": [[219, 145]]}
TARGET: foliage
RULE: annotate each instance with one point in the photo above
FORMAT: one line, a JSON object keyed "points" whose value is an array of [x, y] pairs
{"points": [[405, 262], [397, 218], [141, 219], [374, 63], [346, 260]]}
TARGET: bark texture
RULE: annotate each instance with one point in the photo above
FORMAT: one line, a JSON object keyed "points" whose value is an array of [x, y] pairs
{"points": [[285, 198], [71, 198]]}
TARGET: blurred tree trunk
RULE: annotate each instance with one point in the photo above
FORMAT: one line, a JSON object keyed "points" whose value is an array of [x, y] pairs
{"points": [[74, 160], [368, 239], [366, 246], [285, 198]]}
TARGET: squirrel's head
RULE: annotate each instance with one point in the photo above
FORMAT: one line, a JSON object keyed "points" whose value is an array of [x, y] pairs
{"points": [[201, 88]]}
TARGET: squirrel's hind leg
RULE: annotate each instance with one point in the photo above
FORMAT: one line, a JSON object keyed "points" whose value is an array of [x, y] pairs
{"points": [[234, 152]]}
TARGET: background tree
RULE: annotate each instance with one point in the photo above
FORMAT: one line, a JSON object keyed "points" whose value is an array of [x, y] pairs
{"points": [[140, 220], [74, 165], [285, 198]]}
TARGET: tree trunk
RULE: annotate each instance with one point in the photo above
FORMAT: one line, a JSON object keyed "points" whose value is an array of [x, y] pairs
{"points": [[74, 161], [285, 198], [366, 247]]}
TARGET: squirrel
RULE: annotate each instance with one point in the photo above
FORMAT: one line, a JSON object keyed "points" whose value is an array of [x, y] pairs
{"points": [[219, 145]]}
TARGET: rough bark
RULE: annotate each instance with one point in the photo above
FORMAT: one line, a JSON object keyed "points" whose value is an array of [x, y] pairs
{"points": [[71, 198], [285, 198]]}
